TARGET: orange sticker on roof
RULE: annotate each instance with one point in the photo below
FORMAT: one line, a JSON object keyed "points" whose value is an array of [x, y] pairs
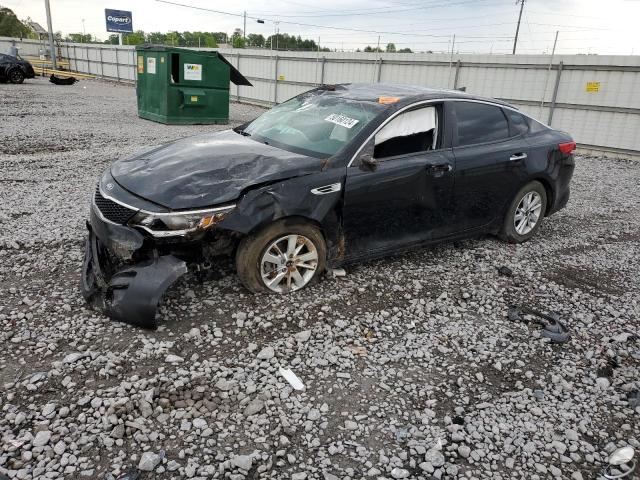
{"points": [[386, 100]]}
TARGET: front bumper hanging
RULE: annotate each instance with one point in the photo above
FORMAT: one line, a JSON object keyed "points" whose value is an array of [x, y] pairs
{"points": [[131, 293]]}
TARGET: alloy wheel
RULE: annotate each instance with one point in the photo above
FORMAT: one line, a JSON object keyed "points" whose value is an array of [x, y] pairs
{"points": [[289, 263], [16, 76], [528, 213]]}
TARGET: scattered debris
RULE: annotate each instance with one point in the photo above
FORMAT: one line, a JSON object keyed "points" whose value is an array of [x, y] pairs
{"points": [[62, 80], [357, 350], [337, 272], [552, 327], [369, 334], [505, 271], [129, 475], [403, 434], [621, 464], [292, 378], [634, 399]]}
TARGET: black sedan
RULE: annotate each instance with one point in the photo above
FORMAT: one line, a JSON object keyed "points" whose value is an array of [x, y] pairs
{"points": [[14, 69], [338, 174]]}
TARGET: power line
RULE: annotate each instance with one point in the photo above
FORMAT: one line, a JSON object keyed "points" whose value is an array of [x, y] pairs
{"points": [[374, 11], [303, 24]]}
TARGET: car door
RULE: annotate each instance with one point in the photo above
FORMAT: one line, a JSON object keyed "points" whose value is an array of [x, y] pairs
{"points": [[489, 163], [3, 65], [398, 191]]}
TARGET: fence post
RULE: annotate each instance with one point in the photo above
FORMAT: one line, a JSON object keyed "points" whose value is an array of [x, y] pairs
{"points": [[238, 86], [101, 65], [552, 107], [324, 59], [88, 60], [115, 50], [379, 69], [75, 59], [275, 81], [455, 78]]}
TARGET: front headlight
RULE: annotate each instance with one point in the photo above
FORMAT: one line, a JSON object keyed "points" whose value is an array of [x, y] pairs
{"points": [[179, 223]]}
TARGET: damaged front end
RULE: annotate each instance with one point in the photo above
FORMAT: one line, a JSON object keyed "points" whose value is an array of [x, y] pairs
{"points": [[132, 256]]}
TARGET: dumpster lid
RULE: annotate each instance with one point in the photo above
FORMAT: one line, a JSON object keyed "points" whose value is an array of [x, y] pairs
{"points": [[235, 75]]}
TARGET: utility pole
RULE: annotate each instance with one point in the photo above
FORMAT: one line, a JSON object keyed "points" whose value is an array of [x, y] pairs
{"points": [[453, 44], [546, 80], [50, 28], [244, 30], [378, 47], [515, 40]]}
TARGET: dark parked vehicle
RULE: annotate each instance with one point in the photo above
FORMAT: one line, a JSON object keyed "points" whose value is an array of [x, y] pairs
{"points": [[335, 175], [14, 69]]}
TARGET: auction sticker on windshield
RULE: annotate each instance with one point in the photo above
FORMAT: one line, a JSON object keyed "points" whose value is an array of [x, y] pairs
{"points": [[341, 120]]}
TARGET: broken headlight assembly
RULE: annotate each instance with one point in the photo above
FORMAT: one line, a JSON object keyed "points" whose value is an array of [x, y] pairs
{"points": [[179, 223]]}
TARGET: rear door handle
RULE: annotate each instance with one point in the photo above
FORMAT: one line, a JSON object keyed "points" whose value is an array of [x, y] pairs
{"points": [[517, 156]]}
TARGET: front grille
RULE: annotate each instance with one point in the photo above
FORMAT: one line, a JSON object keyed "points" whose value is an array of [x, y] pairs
{"points": [[111, 210]]}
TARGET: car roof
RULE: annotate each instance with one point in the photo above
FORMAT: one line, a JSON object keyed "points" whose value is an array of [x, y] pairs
{"points": [[405, 93]]}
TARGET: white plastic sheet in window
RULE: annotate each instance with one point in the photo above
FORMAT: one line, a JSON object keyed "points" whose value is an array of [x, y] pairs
{"points": [[415, 121]]}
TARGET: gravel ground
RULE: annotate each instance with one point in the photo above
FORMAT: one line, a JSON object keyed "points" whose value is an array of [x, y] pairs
{"points": [[410, 365]]}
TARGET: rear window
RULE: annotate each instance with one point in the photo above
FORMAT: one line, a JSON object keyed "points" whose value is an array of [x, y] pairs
{"points": [[480, 123], [518, 122]]}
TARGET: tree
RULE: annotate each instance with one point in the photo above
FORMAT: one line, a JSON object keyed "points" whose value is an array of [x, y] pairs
{"points": [[210, 41], [174, 38], [10, 26], [134, 38], [405, 50], [79, 38], [156, 38], [255, 40], [391, 47], [369, 48]]}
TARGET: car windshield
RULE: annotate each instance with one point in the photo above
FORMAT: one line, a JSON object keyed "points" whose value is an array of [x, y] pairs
{"points": [[318, 123]]}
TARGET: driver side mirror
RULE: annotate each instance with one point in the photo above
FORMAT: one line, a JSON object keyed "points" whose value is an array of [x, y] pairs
{"points": [[368, 161]]}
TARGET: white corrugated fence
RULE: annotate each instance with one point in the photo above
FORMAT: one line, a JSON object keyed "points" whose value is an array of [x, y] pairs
{"points": [[596, 98]]}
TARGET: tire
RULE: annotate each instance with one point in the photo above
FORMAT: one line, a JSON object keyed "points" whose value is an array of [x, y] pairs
{"points": [[16, 76], [529, 204], [255, 249]]}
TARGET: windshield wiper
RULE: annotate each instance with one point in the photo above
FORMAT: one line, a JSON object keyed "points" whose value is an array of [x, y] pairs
{"points": [[243, 133]]}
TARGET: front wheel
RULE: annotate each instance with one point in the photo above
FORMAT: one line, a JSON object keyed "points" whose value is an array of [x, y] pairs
{"points": [[525, 213], [16, 76], [283, 257]]}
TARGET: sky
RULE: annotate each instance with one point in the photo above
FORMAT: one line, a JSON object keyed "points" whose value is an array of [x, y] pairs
{"points": [[479, 26]]}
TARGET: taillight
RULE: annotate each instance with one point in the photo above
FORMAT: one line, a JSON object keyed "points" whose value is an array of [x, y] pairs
{"points": [[567, 147]]}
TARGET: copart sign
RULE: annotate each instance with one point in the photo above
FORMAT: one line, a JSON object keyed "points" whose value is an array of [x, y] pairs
{"points": [[118, 21]]}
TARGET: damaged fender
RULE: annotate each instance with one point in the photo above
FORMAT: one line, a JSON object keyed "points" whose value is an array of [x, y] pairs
{"points": [[294, 197], [132, 293]]}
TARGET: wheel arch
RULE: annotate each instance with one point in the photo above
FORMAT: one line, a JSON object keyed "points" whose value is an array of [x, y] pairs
{"points": [[548, 187]]}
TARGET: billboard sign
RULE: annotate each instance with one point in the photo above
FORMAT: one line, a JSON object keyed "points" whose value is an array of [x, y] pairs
{"points": [[118, 21]]}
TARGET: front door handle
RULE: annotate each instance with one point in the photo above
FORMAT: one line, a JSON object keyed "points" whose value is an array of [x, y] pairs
{"points": [[440, 168], [517, 156]]}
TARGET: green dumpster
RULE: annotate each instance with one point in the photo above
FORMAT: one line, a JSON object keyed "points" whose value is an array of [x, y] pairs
{"points": [[180, 86]]}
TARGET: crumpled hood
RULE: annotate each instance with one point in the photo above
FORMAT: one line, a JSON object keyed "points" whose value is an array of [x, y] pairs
{"points": [[208, 169]]}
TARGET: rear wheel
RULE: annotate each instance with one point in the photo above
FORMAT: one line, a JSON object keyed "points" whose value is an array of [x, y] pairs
{"points": [[525, 213], [16, 76], [283, 257]]}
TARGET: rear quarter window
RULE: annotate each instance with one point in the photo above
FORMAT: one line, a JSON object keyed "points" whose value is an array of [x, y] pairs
{"points": [[518, 123], [535, 126]]}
